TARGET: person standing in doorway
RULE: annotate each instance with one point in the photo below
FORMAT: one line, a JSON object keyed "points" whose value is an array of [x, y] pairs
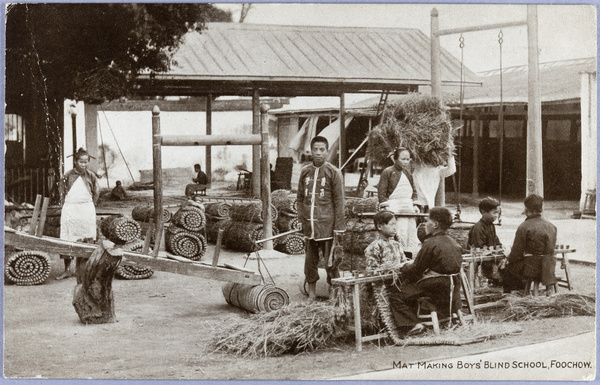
{"points": [[397, 193], [79, 194], [321, 211]]}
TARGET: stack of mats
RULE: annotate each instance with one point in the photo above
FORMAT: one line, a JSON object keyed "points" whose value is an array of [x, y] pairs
{"points": [[183, 237]]}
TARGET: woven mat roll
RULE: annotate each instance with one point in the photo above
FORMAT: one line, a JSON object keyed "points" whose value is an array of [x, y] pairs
{"points": [[120, 230], [131, 270], [460, 233], [242, 235], [352, 262], [145, 213], [213, 227], [190, 217], [185, 243], [355, 206], [218, 209], [286, 222], [285, 201], [292, 244], [250, 212], [255, 299], [359, 234], [27, 268]]}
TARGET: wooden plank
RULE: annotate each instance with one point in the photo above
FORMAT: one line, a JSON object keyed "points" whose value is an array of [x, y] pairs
{"points": [[265, 180], [42, 221], [215, 260], [21, 240], [210, 140], [357, 320], [36, 212]]}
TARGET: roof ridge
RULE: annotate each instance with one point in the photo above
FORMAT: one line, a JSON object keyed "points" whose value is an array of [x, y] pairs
{"points": [[255, 26], [544, 64]]}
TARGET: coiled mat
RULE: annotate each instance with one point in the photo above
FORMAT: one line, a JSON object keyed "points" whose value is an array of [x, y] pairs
{"points": [[130, 270], [119, 229], [27, 268], [190, 217], [185, 243], [257, 298]]}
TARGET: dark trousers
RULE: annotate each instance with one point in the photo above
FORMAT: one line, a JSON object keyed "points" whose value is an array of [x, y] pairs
{"points": [[403, 301], [311, 261]]}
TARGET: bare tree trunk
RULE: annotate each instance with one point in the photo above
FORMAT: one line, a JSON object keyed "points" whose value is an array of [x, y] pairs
{"points": [[93, 297]]}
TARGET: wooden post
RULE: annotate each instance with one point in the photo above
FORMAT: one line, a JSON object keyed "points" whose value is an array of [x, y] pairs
{"points": [[256, 149], [266, 179], [535, 176], [208, 162], [93, 298], [91, 135], [43, 213], [36, 213], [215, 260], [476, 128], [157, 174], [436, 88], [74, 132], [342, 145]]}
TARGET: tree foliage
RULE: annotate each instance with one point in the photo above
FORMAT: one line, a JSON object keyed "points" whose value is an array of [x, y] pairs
{"points": [[92, 52]]}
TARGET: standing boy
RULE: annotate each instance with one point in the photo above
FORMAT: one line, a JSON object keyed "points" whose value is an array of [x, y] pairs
{"points": [[483, 234], [532, 253], [321, 211]]}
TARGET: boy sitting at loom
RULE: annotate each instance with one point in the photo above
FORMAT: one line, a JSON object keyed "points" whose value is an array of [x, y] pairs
{"points": [[483, 234]]}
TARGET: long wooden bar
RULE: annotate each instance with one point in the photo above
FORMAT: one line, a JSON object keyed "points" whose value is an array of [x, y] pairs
{"points": [[21, 240], [210, 140]]}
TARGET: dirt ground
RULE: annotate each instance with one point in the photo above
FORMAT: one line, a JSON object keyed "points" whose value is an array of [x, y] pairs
{"points": [[165, 324]]}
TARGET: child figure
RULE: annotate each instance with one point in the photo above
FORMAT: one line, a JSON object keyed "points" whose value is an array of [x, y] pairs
{"points": [[385, 252], [79, 193], [118, 192], [483, 234]]}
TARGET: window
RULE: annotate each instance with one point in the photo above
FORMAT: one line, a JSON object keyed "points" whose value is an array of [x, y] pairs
{"points": [[14, 137]]}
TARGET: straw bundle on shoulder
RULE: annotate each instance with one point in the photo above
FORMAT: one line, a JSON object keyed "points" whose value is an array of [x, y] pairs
{"points": [[285, 201], [286, 222], [119, 229], [27, 268], [145, 213], [418, 123], [250, 212], [295, 328], [190, 217], [218, 209], [185, 243]]}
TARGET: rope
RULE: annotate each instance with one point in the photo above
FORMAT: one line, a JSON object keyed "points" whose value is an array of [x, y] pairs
{"points": [[501, 124], [119, 147]]}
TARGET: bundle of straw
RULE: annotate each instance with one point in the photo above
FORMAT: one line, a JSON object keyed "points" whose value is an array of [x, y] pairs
{"points": [[250, 212], [417, 123], [27, 268], [120, 230], [292, 329], [218, 209], [517, 308], [285, 202]]}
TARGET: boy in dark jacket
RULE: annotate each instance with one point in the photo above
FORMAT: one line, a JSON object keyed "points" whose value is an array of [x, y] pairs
{"points": [[483, 234]]}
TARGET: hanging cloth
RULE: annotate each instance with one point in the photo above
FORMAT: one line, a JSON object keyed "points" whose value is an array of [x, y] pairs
{"points": [[78, 215], [400, 201]]}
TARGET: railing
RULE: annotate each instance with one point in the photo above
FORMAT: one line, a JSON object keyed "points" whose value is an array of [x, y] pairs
{"points": [[22, 184]]}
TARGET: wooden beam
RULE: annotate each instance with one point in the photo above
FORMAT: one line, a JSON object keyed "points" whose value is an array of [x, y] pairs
{"points": [[534, 176], [208, 153], [266, 178], [342, 145], [476, 129], [436, 84], [211, 140], [21, 240], [486, 27], [157, 173], [255, 182]]}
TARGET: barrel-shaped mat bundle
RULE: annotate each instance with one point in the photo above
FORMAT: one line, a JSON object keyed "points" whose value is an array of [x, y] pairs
{"points": [[218, 209], [242, 235], [358, 235], [120, 230], [185, 243], [130, 270], [27, 268], [250, 212], [353, 207], [255, 298], [145, 213], [190, 217], [285, 202], [292, 244], [286, 222], [213, 226]]}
